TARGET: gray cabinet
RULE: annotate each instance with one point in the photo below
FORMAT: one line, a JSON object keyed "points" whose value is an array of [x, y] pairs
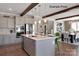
{"points": [[1, 40], [9, 39], [20, 21], [3, 22], [6, 22], [6, 39], [10, 23]]}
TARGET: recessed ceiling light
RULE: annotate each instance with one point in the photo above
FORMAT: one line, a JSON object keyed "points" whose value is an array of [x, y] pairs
{"points": [[10, 9]]}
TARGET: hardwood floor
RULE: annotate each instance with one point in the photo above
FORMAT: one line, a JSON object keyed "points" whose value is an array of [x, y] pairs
{"points": [[16, 50], [66, 50], [12, 50]]}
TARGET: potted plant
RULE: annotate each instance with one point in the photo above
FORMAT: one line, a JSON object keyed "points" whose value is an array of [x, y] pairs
{"points": [[57, 34], [57, 37]]}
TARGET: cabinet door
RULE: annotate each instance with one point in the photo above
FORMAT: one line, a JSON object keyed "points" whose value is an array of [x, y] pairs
{"points": [[29, 46], [9, 39], [13, 39], [6, 39], [20, 21], [10, 23], [3, 22], [1, 40]]}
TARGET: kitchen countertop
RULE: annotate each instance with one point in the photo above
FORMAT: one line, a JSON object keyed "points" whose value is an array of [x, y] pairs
{"points": [[37, 37]]}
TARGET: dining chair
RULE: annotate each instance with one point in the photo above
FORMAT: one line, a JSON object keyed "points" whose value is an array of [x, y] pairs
{"points": [[66, 37], [77, 37]]}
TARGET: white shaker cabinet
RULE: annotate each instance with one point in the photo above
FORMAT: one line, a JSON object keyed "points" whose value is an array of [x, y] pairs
{"points": [[10, 23], [19, 21], [1, 40], [3, 22], [6, 22], [9, 39]]}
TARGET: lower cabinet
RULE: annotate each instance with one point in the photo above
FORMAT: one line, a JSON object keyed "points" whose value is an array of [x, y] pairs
{"points": [[9, 39], [1, 40], [29, 46], [42, 47]]}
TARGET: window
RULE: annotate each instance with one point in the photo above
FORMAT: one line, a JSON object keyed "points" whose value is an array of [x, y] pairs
{"points": [[78, 26], [75, 26]]}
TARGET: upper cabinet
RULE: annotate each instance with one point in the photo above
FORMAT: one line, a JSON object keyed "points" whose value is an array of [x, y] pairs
{"points": [[19, 21], [11, 22], [24, 20], [6, 22], [3, 22]]}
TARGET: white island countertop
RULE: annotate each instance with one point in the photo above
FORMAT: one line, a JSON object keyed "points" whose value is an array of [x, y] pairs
{"points": [[37, 37]]}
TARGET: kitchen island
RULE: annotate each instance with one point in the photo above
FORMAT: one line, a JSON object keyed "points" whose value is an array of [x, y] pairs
{"points": [[39, 45]]}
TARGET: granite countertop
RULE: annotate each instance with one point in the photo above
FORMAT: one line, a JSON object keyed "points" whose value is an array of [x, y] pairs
{"points": [[37, 37]]}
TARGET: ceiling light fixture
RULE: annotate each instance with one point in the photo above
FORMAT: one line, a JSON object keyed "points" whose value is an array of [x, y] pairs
{"points": [[10, 9], [39, 21], [45, 21], [35, 22]]}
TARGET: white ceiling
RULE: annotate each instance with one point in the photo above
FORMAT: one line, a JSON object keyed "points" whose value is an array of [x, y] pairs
{"points": [[17, 8], [66, 14], [41, 9], [45, 9]]}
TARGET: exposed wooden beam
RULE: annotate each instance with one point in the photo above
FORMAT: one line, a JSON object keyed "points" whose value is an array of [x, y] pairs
{"points": [[32, 5], [62, 11], [67, 17]]}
